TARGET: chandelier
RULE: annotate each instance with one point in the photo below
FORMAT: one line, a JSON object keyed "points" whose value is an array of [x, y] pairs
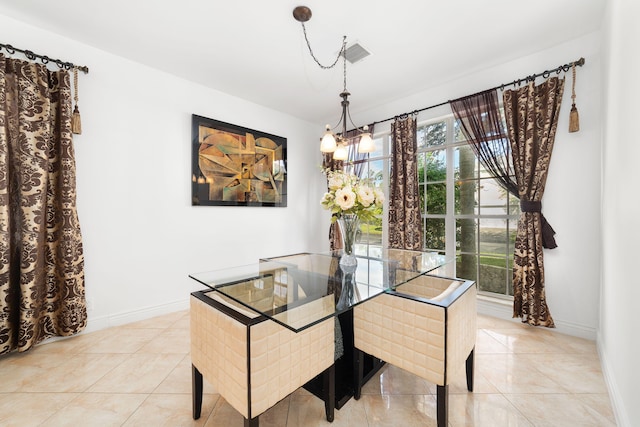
{"points": [[332, 142]]}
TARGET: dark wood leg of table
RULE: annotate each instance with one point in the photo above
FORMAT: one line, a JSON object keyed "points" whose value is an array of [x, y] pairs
{"points": [[196, 391], [329, 380], [253, 422], [443, 405], [469, 369], [358, 372]]}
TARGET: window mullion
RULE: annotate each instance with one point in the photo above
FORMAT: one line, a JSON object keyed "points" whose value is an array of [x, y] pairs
{"points": [[450, 223]]}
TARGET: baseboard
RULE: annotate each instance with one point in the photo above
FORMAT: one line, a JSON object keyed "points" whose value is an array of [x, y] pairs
{"points": [[619, 410], [495, 307], [503, 309], [103, 322]]}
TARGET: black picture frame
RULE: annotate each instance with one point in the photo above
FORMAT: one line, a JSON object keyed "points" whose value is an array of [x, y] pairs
{"points": [[236, 166]]}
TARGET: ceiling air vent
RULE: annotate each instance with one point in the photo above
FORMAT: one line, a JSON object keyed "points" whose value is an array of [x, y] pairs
{"points": [[356, 53]]}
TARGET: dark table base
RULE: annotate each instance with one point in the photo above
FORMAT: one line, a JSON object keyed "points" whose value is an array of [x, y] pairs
{"points": [[346, 367]]}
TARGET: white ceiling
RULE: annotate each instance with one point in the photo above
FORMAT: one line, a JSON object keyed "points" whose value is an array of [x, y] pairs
{"points": [[255, 50]]}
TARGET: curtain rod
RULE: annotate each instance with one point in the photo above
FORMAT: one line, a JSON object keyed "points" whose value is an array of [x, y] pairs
{"points": [[545, 74], [43, 58]]}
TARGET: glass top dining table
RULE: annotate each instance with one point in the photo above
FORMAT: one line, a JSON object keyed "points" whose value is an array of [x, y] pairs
{"points": [[301, 290]]}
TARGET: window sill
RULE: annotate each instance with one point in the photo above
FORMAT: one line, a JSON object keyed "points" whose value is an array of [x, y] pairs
{"points": [[508, 302]]}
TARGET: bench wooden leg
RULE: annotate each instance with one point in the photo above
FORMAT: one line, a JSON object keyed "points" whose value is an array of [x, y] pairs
{"points": [[358, 372], [443, 405], [196, 391], [329, 387], [469, 368]]}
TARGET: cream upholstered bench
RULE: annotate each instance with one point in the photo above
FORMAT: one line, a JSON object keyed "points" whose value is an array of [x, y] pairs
{"points": [[426, 326], [252, 361]]}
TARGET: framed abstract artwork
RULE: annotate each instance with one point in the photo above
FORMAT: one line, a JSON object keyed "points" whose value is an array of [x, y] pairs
{"points": [[236, 166]]}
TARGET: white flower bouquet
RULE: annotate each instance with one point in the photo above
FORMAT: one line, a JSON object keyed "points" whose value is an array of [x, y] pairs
{"points": [[350, 195]]}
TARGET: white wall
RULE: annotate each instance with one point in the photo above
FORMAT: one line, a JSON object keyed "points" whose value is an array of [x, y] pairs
{"points": [[618, 335], [141, 235], [571, 202]]}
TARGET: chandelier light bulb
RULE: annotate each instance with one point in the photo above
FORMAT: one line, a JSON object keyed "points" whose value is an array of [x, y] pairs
{"points": [[340, 153], [366, 144], [328, 143]]}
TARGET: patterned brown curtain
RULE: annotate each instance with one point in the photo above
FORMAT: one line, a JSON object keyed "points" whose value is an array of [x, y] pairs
{"points": [[353, 157], [532, 118], [405, 221], [41, 258]]}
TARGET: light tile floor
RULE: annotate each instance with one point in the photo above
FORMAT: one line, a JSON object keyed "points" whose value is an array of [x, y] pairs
{"points": [[140, 375]]}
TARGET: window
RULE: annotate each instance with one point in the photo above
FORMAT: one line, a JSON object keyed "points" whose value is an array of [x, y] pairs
{"points": [[466, 214], [375, 167]]}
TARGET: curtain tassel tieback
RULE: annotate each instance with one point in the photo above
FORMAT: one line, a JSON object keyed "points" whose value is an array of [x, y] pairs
{"points": [[76, 123], [574, 118], [548, 241]]}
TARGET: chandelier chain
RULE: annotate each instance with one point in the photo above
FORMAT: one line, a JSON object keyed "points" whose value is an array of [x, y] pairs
{"points": [[343, 50]]}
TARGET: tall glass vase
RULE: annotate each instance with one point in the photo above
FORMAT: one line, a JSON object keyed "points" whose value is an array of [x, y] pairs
{"points": [[349, 225], [348, 290]]}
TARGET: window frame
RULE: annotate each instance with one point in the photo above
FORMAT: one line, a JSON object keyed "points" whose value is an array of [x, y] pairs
{"points": [[450, 217]]}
